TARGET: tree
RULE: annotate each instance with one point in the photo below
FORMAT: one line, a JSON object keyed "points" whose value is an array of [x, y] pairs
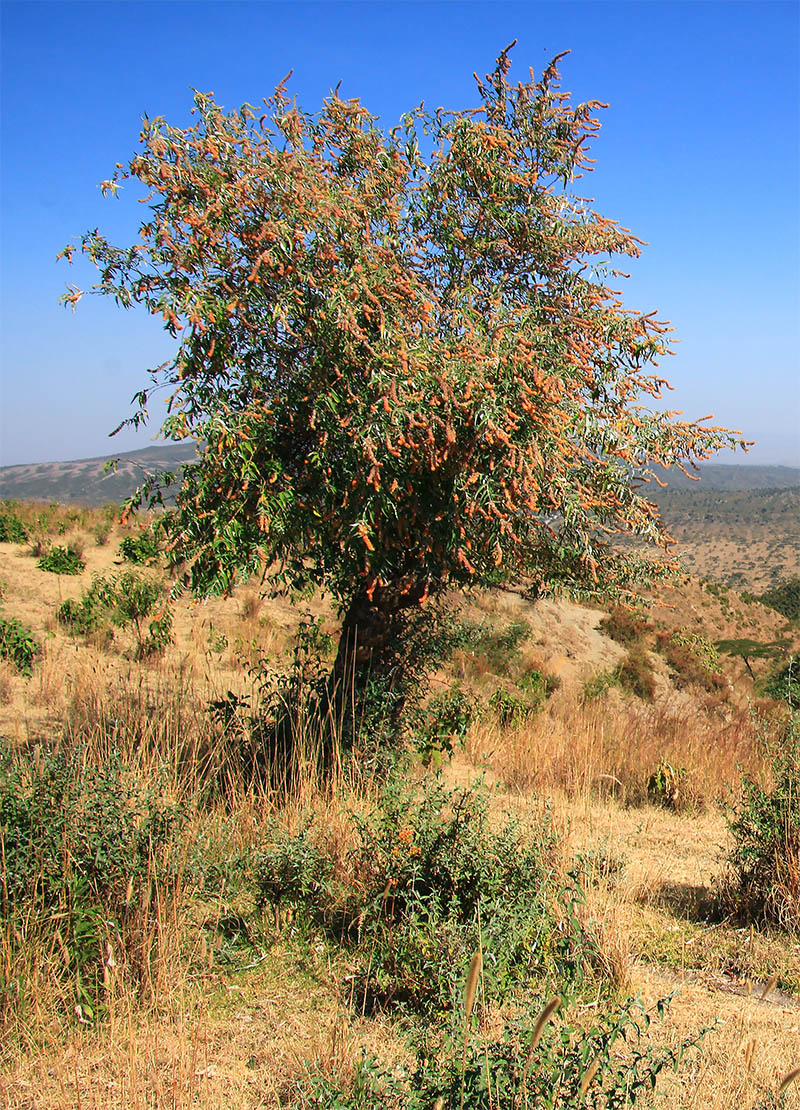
{"points": [[398, 353]]}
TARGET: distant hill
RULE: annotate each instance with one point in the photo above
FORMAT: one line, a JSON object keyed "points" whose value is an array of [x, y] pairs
{"points": [[85, 482], [730, 476]]}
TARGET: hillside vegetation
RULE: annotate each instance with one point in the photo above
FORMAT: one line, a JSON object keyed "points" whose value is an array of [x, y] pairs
{"points": [[594, 806]]}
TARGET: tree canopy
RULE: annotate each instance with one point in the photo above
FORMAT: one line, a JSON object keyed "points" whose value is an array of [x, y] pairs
{"points": [[401, 353]]}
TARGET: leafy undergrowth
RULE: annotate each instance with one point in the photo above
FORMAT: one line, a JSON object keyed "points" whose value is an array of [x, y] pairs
{"points": [[177, 934]]}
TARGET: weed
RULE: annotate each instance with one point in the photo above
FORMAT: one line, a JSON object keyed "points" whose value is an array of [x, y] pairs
{"points": [[625, 625], [636, 673], [85, 849], [666, 785]]}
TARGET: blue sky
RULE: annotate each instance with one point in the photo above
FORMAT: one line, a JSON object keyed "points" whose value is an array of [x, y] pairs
{"points": [[698, 155]]}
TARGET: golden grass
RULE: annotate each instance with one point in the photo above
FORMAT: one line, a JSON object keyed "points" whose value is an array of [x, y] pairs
{"points": [[204, 1034]]}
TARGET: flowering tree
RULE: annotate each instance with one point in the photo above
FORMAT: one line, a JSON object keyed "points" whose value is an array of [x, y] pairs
{"points": [[398, 353]]}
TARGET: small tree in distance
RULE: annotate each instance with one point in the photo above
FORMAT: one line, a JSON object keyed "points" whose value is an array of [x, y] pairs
{"points": [[398, 354]]}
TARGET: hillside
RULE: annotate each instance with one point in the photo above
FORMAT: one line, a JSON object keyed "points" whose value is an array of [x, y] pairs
{"points": [[85, 481], [195, 967]]}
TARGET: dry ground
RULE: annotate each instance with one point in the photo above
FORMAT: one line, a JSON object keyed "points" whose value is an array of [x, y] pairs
{"points": [[240, 1038]]}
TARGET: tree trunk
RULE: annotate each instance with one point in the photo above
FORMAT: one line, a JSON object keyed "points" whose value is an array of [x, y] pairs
{"points": [[373, 656]]}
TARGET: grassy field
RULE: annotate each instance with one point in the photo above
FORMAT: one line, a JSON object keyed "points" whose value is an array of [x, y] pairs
{"points": [[181, 930]]}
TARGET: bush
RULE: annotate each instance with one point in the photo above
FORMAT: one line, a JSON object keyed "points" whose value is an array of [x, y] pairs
{"points": [[784, 598], [765, 860], [445, 719], [91, 611], [87, 852], [62, 560], [18, 644], [498, 650], [624, 625], [528, 1061], [12, 530], [784, 684], [426, 875], [694, 660], [141, 549], [636, 674]]}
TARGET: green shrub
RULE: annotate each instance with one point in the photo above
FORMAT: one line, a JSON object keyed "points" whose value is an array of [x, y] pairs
{"points": [[427, 874], [765, 860], [599, 683], [86, 852], [693, 658], [12, 530], [62, 560], [784, 684], [445, 719], [91, 611], [560, 1066], [499, 650], [141, 549], [18, 644]]}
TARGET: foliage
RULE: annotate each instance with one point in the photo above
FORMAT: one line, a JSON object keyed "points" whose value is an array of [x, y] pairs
{"points": [[514, 708], [599, 683], [635, 673], [667, 785], [12, 530], [765, 859], [140, 601], [62, 560], [142, 548], [747, 649], [693, 658], [784, 684], [401, 355], [563, 1065], [445, 719], [84, 850], [18, 644], [81, 617], [625, 625], [127, 599], [785, 598], [426, 873]]}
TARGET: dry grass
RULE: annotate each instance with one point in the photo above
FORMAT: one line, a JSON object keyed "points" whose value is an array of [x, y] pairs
{"points": [[613, 745], [209, 1033]]}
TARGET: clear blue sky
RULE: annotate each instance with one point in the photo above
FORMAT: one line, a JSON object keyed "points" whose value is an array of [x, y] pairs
{"points": [[698, 155]]}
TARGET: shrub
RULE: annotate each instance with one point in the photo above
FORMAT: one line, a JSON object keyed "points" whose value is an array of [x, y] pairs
{"points": [[12, 530], [426, 875], [87, 852], [784, 684], [666, 785], [141, 549], [785, 598], [445, 719], [625, 625], [523, 1061], [765, 859], [694, 659], [62, 560], [91, 611], [140, 601], [497, 650], [18, 644], [636, 674]]}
